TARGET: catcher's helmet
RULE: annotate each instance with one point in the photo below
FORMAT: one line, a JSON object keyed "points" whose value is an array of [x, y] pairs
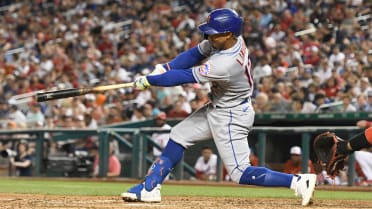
{"points": [[222, 21]]}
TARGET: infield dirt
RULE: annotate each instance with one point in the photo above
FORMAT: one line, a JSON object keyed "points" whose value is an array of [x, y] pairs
{"points": [[23, 201]]}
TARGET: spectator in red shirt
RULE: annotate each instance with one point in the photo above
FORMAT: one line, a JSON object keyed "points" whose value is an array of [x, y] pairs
{"points": [[114, 166], [313, 57], [293, 165], [331, 88], [177, 111]]}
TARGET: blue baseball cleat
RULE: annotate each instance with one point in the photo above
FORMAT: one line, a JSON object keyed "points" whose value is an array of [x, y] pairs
{"points": [[138, 193]]}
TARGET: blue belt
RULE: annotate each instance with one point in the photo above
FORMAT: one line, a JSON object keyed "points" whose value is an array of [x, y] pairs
{"points": [[243, 102]]}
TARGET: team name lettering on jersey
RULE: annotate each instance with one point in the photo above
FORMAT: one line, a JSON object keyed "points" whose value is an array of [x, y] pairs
{"points": [[242, 55], [244, 61]]}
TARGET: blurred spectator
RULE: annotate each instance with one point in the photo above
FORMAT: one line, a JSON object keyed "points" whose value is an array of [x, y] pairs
{"points": [[4, 109], [206, 165], [320, 99], [90, 122], [23, 160], [364, 123], [365, 86], [76, 44], [34, 115], [113, 115], [138, 114], [369, 101], [114, 165], [148, 111], [278, 103], [324, 70], [17, 115], [177, 111], [346, 104], [262, 69], [361, 103], [337, 56], [261, 103], [160, 138], [300, 106], [293, 165], [182, 97], [331, 88]]}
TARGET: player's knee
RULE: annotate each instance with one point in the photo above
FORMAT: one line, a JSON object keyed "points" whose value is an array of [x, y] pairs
{"points": [[237, 173], [178, 139], [236, 177], [368, 134]]}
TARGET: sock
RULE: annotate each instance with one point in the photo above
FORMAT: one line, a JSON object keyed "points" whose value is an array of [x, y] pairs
{"points": [[294, 181], [173, 152], [262, 176], [362, 140], [171, 155]]}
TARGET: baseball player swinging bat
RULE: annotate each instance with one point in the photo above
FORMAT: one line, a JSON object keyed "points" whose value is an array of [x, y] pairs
{"points": [[65, 93]]}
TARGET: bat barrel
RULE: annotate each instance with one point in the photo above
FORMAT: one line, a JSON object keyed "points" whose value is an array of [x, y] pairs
{"points": [[65, 93], [45, 96]]}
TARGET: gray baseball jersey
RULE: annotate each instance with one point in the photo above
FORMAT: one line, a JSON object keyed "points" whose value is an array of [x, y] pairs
{"points": [[230, 115]]}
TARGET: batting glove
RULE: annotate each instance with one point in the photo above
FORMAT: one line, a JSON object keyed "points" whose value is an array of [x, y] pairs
{"points": [[141, 83], [159, 69]]}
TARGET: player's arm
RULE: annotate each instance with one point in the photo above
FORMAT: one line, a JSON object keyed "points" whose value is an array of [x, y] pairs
{"points": [[189, 58], [169, 78], [172, 78], [200, 74]]}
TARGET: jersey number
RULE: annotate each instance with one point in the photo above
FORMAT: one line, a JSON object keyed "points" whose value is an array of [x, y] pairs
{"points": [[247, 65]]}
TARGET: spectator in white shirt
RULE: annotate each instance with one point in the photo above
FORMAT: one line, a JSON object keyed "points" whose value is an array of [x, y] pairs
{"points": [[34, 115], [336, 56], [347, 106], [17, 115], [206, 165], [160, 138]]}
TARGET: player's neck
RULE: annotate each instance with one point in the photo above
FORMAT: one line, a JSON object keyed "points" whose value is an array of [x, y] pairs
{"points": [[230, 43]]}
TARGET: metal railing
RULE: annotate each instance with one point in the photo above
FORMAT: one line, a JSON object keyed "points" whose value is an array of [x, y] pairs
{"points": [[140, 139]]}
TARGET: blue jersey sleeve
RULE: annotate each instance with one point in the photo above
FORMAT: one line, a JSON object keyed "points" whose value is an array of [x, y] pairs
{"points": [[186, 59], [172, 78]]}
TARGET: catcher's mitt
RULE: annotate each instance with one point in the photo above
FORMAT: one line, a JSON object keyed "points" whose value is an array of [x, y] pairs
{"points": [[331, 152]]}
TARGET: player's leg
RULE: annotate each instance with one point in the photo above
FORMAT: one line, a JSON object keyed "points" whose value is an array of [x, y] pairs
{"points": [[364, 160], [358, 142], [149, 189], [192, 129], [230, 132]]}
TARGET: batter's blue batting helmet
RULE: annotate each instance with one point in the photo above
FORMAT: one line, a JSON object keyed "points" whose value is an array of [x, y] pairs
{"points": [[222, 21]]}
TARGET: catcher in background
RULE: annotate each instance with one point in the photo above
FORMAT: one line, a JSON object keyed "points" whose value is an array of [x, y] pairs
{"points": [[363, 158], [332, 151]]}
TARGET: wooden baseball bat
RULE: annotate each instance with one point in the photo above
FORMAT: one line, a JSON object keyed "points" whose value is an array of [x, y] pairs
{"points": [[65, 93]]}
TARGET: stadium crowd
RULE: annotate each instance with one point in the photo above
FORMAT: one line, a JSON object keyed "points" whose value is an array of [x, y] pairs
{"points": [[65, 44]]}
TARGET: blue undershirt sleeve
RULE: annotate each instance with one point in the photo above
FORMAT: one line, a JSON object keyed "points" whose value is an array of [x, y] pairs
{"points": [[172, 78], [186, 59]]}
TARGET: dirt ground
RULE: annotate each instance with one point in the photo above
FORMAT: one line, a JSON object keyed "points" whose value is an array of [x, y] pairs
{"points": [[23, 201]]}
